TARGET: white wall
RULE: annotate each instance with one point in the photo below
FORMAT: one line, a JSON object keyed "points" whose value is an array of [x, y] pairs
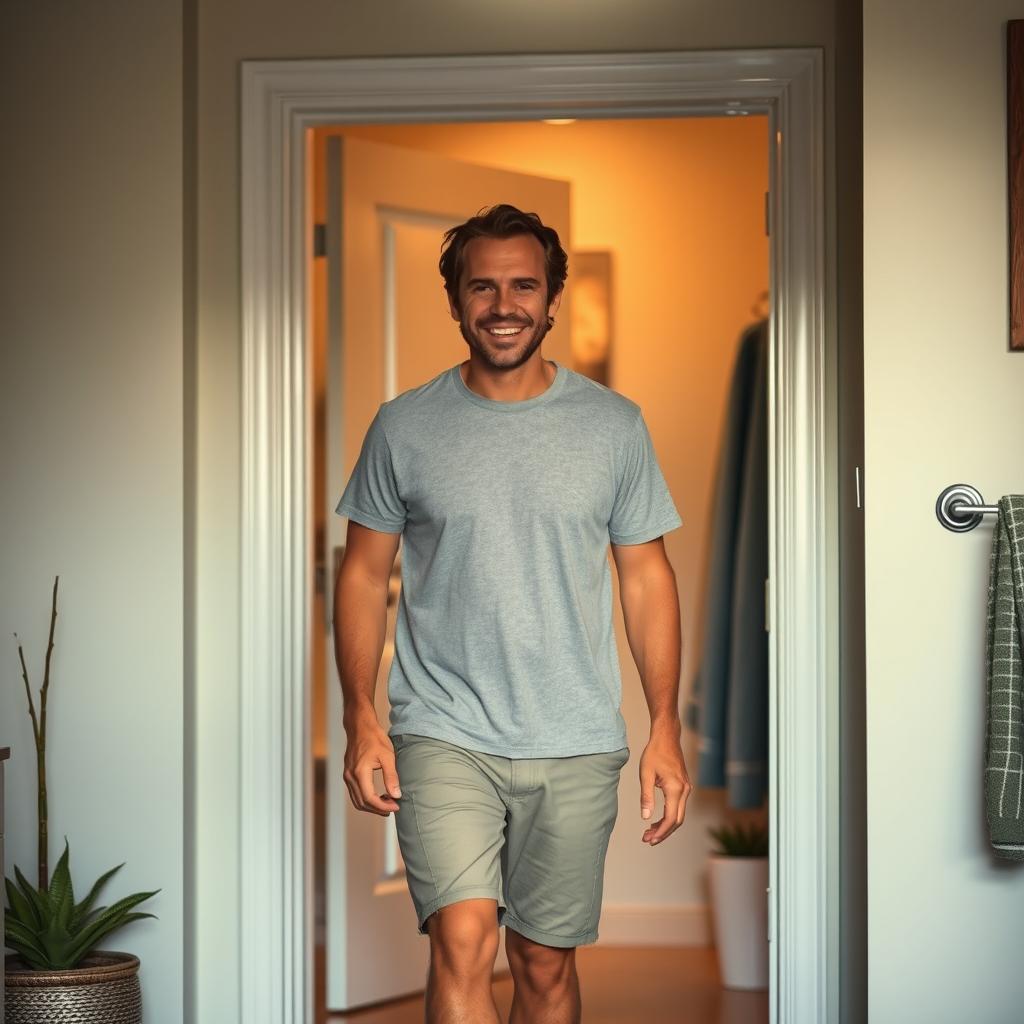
{"points": [[92, 465], [944, 404]]}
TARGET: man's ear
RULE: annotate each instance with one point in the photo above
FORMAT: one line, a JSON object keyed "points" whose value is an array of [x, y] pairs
{"points": [[453, 309], [555, 302]]}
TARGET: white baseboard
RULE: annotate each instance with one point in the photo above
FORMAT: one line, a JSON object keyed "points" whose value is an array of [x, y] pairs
{"points": [[642, 924]]}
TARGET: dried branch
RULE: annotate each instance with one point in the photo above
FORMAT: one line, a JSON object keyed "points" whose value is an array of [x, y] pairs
{"points": [[28, 693], [39, 734], [44, 813]]}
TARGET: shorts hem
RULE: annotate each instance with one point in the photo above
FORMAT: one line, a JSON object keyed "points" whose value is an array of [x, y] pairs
{"points": [[453, 896], [549, 938]]}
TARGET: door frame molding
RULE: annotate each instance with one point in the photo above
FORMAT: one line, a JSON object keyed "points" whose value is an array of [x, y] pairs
{"points": [[280, 101]]}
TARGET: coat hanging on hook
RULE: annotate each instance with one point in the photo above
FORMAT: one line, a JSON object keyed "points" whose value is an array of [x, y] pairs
{"points": [[729, 704]]}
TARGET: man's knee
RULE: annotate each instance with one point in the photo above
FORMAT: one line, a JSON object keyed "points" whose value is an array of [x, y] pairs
{"points": [[464, 936], [537, 965]]}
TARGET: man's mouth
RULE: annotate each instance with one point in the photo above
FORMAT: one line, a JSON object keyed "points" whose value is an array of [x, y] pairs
{"points": [[504, 332]]}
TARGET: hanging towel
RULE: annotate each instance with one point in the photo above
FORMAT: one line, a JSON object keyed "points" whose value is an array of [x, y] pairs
{"points": [[1004, 741], [729, 704]]}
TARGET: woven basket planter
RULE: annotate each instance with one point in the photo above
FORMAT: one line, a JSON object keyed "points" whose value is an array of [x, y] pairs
{"points": [[103, 989]]}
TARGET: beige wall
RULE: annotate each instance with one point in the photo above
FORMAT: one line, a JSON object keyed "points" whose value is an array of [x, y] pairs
{"points": [[92, 477], [943, 405], [690, 258], [113, 394]]}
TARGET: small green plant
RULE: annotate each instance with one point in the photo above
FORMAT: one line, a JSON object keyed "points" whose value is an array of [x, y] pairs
{"points": [[49, 930], [740, 841], [43, 924]]}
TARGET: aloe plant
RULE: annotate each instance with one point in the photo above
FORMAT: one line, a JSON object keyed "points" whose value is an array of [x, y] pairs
{"points": [[49, 930], [738, 841]]}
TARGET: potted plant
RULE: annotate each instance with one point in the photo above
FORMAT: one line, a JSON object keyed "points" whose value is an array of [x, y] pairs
{"points": [[57, 972], [738, 878]]}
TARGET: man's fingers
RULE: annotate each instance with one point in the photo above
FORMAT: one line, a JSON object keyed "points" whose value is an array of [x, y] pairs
{"points": [[675, 812], [382, 805], [687, 790], [646, 794], [668, 822], [353, 792], [390, 774], [360, 790]]}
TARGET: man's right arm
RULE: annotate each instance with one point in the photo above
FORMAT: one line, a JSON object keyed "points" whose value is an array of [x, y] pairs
{"points": [[360, 624]]}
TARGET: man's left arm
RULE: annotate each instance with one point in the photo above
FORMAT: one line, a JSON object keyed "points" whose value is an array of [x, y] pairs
{"points": [[650, 609]]}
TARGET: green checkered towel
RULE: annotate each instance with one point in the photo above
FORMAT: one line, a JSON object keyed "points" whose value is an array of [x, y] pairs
{"points": [[1004, 742]]}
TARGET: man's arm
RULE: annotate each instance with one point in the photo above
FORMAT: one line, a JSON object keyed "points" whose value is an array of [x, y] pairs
{"points": [[360, 625], [650, 609]]}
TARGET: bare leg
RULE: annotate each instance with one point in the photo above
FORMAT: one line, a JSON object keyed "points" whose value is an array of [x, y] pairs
{"points": [[463, 947], [547, 988]]}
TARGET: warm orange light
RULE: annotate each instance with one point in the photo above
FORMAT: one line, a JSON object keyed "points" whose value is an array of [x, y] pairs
{"points": [[559, 120]]}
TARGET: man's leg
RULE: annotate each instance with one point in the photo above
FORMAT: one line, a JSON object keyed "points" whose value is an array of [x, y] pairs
{"points": [[553, 862], [547, 988], [463, 948]]}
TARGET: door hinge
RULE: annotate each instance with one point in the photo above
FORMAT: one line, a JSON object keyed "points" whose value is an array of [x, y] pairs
{"points": [[767, 213], [771, 914], [857, 484], [767, 605], [319, 240]]}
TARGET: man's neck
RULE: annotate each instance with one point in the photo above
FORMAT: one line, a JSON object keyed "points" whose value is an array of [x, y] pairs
{"points": [[513, 386]]}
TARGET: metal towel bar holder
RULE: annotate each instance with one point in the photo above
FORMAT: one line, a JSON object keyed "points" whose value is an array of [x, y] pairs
{"points": [[961, 507]]}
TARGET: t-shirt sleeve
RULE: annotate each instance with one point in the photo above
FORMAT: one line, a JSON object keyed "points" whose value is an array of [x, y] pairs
{"points": [[643, 507], [371, 496]]}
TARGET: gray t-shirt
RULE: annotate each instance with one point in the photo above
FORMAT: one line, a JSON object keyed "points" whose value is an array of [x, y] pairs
{"points": [[504, 641]]}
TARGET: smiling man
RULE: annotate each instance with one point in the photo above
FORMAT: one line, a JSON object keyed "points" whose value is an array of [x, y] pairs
{"points": [[508, 476]]}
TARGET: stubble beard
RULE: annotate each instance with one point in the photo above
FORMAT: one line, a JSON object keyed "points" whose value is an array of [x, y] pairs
{"points": [[511, 357]]}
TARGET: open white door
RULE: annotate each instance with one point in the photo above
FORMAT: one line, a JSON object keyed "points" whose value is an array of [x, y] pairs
{"points": [[389, 330]]}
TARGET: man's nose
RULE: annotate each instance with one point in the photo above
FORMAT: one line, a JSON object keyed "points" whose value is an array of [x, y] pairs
{"points": [[504, 302]]}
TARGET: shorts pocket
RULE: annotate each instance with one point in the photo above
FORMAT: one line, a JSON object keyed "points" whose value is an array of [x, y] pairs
{"points": [[612, 759], [619, 757]]}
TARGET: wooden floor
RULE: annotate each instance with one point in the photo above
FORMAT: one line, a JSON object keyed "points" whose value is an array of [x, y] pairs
{"points": [[618, 985]]}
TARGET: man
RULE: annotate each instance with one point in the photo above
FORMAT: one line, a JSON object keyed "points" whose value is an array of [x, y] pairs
{"points": [[508, 475]]}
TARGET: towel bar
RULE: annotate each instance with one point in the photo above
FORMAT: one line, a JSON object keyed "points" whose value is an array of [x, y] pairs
{"points": [[961, 507]]}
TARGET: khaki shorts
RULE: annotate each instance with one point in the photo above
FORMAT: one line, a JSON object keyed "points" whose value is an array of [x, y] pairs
{"points": [[531, 833]]}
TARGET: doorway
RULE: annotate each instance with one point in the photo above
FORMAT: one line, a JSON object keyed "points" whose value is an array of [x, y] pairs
{"points": [[282, 101], [664, 223]]}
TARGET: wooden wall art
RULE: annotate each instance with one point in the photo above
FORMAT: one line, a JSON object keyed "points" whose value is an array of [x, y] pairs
{"points": [[1015, 175]]}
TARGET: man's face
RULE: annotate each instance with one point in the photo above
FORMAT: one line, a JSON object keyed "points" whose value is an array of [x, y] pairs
{"points": [[503, 299]]}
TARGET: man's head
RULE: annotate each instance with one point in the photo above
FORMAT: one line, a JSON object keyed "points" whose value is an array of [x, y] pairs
{"points": [[504, 271]]}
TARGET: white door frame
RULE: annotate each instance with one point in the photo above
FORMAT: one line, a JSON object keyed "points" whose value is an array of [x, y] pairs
{"points": [[280, 101]]}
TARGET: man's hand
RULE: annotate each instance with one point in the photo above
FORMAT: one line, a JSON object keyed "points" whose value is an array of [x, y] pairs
{"points": [[370, 748], [662, 765]]}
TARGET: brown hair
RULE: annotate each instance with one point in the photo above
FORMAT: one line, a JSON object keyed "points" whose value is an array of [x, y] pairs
{"points": [[501, 221]]}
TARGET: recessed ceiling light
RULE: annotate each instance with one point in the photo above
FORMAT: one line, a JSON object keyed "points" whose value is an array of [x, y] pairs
{"points": [[559, 120]]}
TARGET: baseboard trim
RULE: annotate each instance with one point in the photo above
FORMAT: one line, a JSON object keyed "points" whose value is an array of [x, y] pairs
{"points": [[645, 924]]}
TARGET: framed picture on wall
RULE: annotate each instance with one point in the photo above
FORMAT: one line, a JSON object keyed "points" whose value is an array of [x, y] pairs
{"points": [[1015, 175], [591, 328]]}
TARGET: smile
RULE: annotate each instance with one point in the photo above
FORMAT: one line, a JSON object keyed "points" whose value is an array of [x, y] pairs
{"points": [[503, 332]]}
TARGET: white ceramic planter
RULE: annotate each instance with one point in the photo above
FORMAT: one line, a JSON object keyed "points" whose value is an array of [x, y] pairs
{"points": [[739, 911]]}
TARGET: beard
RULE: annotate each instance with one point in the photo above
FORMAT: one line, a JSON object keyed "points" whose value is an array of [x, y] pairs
{"points": [[504, 357]]}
